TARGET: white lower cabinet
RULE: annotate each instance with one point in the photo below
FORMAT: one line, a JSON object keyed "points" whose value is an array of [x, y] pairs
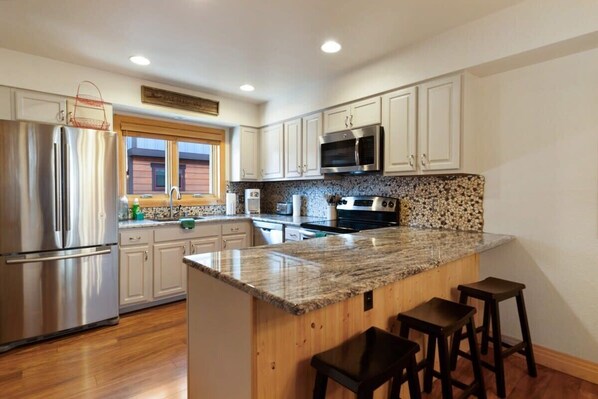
{"points": [[135, 275], [205, 245], [151, 266], [170, 273], [235, 241]]}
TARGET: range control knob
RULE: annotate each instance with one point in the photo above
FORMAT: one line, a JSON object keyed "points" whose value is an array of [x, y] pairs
{"points": [[391, 204], [384, 204]]}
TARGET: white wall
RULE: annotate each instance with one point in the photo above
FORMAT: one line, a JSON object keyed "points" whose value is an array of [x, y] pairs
{"points": [[515, 30], [47, 75], [538, 147]]}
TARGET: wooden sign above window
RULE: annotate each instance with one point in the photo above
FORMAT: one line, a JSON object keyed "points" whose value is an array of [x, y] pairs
{"points": [[152, 95]]}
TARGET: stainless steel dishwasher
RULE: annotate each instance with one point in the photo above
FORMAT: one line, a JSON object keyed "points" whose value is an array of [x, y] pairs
{"points": [[265, 233]]}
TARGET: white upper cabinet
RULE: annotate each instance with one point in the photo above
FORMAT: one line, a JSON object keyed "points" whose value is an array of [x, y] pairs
{"points": [[440, 124], [399, 118], [312, 131], [39, 107], [272, 150], [5, 103], [293, 164], [336, 119], [244, 154], [351, 116]]}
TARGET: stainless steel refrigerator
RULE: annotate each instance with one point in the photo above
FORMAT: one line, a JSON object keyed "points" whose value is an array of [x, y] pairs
{"points": [[58, 231]]}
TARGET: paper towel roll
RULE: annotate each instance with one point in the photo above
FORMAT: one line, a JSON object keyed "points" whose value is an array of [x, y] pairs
{"points": [[296, 205], [231, 203]]}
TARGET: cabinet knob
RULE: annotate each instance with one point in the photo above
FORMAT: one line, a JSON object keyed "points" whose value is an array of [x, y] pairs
{"points": [[411, 158], [223, 243], [61, 115], [243, 173], [304, 168], [351, 121], [184, 251], [146, 255], [347, 121], [192, 249], [423, 160], [135, 238]]}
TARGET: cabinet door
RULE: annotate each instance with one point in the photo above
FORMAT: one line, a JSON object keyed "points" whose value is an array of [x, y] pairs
{"points": [[312, 131], [293, 164], [84, 111], [400, 134], [248, 152], [235, 241], [205, 245], [440, 124], [365, 112], [39, 107], [272, 149], [135, 275], [170, 273], [5, 103], [337, 119]]}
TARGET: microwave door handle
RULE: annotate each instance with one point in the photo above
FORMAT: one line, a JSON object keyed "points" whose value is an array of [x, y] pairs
{"points": [[357, 152]]}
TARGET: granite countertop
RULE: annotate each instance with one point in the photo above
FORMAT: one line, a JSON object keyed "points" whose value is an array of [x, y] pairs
{"points": [[286, 220], [299, 277]]}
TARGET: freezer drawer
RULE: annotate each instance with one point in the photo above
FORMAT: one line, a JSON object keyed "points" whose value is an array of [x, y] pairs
{"points": [[48, 292]]}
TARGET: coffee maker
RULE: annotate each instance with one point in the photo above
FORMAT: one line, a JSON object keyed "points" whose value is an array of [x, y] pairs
{"points": [[252, 201]]}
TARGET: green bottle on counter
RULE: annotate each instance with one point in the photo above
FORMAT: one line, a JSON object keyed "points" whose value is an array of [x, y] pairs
{"points": [[136, 213]]}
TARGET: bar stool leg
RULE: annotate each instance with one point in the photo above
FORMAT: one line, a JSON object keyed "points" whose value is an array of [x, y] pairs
{"points": [[529, 350], [455, 348], [485, 328], [497, 349], [413, 380], [445, 368], [428, 372], [475, 360], [320, 386]]}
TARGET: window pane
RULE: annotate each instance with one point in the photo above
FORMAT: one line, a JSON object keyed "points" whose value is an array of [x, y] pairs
{"points": [[195, 168], [146, 165]]}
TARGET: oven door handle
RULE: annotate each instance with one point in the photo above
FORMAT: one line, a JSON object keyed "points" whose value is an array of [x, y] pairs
{"points": [[357, 151]]}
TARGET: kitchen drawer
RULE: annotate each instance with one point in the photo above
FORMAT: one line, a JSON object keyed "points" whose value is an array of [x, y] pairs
{"points": [[292, 234], [173, 233], [235, 228], [135, 237]]}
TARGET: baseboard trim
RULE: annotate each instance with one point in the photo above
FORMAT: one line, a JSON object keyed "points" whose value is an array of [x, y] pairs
{"points": [[567, 364], [580, 368]]}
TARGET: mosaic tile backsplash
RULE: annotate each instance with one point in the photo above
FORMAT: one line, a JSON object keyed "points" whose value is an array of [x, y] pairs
{"points": [[452, 202]]}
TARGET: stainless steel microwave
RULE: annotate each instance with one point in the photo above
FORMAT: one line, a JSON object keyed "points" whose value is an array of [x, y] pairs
{"points": [[352, 151]]}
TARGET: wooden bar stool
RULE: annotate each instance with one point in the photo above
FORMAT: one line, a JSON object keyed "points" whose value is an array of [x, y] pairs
{"points": [[493, 291], [367, 361], [439, 319]]}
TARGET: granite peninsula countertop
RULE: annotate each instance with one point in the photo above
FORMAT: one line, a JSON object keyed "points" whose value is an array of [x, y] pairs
{"points": [[299, 277], [286, 220]]}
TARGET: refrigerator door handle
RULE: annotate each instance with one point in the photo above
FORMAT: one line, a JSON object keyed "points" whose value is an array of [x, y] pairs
{"points": [[20, 259], [67, 189], [57, 190]]}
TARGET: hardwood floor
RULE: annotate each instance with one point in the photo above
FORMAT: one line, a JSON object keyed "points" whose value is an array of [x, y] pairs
{"points": [[145, 357]]}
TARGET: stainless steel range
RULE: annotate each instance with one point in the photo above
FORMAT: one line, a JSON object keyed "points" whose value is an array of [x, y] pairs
{"points": [[359, 213]]}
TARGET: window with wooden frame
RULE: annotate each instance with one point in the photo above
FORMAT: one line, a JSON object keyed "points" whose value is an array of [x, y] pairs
{"points": [[156, 155]]}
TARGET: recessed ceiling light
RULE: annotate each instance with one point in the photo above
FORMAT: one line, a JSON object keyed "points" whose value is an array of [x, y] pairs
{"points": [[139, 60], [247, 87], [331, 47]]}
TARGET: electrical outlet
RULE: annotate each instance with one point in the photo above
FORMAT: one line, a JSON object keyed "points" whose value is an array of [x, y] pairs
{"points": [[368, 301]]}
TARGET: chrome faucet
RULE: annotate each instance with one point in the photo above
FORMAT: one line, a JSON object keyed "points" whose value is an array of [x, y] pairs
{"points": [[178, 197]]}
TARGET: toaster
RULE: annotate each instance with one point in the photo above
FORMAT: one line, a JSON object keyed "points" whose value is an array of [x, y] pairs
{"points": [[284, 208]]}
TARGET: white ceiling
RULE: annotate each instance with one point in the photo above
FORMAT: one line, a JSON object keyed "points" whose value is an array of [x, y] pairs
{"points": [[217, 45]]}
